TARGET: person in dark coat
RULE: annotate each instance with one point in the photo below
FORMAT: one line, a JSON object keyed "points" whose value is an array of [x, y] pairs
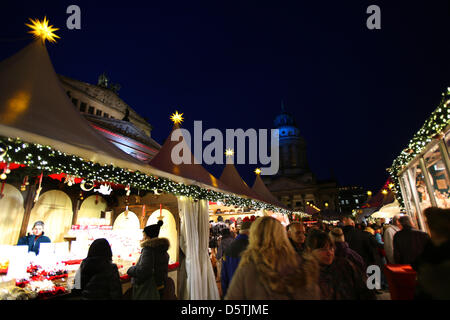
{"points": [[154, 259], [100, 278], [224, 242], [362, 242], [343, 250], [232, 256], [34, 240], [339, 278], [409, 243], [433, 266]]}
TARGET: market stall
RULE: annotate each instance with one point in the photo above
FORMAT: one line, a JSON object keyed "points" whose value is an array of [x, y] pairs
{"points": [[421, 172], [55, 167], [383, 197]]}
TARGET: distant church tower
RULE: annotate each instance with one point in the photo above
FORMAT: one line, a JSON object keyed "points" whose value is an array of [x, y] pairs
{"points": [[293, 160]]}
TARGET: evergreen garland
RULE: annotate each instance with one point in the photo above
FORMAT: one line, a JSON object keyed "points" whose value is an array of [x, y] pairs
{"points": [[46, 160], [433, 128]]}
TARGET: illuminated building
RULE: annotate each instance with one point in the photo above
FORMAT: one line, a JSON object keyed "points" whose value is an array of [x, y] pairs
{"points": [[113, 118], [294, 184]]}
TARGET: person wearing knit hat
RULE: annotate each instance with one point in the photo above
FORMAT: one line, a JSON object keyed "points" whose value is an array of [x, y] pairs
{"points": [[152, 231], [152, 264]]}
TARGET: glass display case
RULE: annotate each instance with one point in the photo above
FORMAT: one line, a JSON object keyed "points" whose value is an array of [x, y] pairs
{"points": [[438, 176], [425, 180]]}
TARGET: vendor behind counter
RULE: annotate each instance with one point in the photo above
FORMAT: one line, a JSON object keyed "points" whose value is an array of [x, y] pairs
{"points": [[34, 240]]}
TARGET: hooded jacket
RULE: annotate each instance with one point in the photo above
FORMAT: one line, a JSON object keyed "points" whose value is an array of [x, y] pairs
{"points": [[154, 260]]}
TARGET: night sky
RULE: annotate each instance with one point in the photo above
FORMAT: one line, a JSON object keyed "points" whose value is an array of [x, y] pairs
{"points": [[358, 95]]}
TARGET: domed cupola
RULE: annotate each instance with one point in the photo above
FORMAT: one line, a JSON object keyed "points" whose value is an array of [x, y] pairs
{"points": [[286, 123], [292, 145]]}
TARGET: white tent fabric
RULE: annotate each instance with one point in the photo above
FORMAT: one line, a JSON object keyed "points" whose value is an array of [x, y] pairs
{"points": [[201, 283], [35, 108], [388, 211], [194, 171], [33, 100], [260, 188]]}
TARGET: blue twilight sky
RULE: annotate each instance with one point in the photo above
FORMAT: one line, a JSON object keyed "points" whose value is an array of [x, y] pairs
{"points": [[358, 95]]}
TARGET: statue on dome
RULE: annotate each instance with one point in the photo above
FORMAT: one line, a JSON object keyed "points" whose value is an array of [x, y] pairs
{"points": [[103, 80]]}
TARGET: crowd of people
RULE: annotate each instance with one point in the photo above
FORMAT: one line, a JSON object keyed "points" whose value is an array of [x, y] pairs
{"points": [[260, 259], [325, 262]]}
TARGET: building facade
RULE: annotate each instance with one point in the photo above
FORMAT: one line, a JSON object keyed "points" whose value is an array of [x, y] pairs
{"points": [[351, 198], [294, 184], [113, 118]]}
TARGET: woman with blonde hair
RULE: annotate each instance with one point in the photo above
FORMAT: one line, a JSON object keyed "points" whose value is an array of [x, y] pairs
{"points": [[270, 269]]}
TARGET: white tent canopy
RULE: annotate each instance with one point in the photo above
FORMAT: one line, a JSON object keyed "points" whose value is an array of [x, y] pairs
{"points": [[35, 108], [260, 188], [388, 211]]}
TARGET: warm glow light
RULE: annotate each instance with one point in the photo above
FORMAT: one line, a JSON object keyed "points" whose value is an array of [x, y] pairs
{"points": [[229, 152], [258, 171], [391, 185], [176, 117], [41, 29], [16, 105], [384, 191], [369, 193]]}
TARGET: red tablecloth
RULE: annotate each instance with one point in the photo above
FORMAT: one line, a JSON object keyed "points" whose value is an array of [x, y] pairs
{"points": [[401, 280]]}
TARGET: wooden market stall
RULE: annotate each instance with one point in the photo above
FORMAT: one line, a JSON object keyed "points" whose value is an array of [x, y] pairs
{"points": [[58, 169], [48, 150]]}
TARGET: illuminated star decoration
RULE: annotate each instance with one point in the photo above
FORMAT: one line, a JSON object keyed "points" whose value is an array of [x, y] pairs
{"points": [[41, 29], [258, 171], [176, 117], [229, 152]]}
